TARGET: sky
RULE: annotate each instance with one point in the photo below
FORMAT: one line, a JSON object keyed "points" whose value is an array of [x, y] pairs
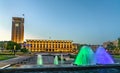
{"points": [[83, 21]]}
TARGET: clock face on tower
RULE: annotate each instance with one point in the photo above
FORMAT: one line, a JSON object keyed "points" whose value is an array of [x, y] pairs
{"points": [[16, 24]]}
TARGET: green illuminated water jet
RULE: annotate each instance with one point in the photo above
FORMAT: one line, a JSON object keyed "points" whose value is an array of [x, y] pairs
{"points": [[39, 60], [56, 60], [85, 56]]}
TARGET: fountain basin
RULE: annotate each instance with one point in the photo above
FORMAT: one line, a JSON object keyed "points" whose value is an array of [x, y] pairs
{"points": [[110, 68]]}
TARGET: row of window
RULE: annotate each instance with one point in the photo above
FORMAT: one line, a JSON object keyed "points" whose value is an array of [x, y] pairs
{"points": [[47, 42], [50, 46], [51, 50]]}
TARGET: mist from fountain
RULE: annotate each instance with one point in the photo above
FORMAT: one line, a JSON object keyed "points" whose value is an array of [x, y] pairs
{"points": [[102, 57], [56, 62], [39, 60], [85, 57]]}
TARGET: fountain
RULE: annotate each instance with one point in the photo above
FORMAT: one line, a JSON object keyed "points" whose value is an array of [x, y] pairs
{"points": [[102, 57], [85, 61], [85, 57], [56, 60], [62, 61], [39, 60]]}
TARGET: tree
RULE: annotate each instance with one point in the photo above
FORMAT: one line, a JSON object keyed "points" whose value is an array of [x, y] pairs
{"points": [[111, 46], [10, 46], [1, 44], [119, 42], [24, 50], [80, 45]]}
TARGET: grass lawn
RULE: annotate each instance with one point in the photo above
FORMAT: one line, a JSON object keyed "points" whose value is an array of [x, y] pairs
{"points": [[116, 56], [6, 57], [11, 53]]}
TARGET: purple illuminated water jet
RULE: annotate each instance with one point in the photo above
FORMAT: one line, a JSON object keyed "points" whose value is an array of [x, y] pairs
{"points": [[102, 57]]}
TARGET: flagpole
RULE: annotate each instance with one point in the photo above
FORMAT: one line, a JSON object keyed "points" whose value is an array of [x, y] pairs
{"points": [[23, 15], [23, 23]]}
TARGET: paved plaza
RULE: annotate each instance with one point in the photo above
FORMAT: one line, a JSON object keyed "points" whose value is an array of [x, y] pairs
{"points": [[13, 61]]}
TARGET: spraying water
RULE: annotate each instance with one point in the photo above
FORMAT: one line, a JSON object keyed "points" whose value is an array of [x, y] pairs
{"points": [[85, 56], [56, 60], [102, 57], [39, 60]]}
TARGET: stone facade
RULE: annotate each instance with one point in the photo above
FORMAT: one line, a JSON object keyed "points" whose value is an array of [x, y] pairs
{"points": [[17, 30], [55, 46], [115, 43]]}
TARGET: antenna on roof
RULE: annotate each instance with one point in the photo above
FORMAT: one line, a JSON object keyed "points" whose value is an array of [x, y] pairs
{"points": [[23, 15], [49, 37]]}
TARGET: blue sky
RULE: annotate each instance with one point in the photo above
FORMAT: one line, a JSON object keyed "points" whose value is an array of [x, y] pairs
{"points": [[83, 21]]}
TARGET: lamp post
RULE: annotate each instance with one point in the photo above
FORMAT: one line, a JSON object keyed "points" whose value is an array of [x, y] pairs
{"points": [[14, 49]]}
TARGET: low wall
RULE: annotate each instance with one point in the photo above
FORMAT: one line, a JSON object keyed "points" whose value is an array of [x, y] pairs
{"points": [[71, 69]]}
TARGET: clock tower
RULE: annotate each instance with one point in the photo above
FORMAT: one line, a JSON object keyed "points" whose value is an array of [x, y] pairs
{"points": [[17, 30]]}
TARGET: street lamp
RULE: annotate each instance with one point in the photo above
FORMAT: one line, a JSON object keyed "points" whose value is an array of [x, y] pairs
{"points": [[14, 49]]}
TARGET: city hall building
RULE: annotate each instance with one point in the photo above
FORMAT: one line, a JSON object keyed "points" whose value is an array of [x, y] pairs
{"points": [[60, 46], [55, 46]]}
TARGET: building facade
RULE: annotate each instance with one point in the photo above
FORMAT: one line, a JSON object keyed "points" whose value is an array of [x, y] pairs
{"points": [[56, 46], [17, 30], [115, 43]]}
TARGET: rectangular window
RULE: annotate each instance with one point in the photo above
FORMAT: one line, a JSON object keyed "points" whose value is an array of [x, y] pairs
{"points": [[34, 45]]}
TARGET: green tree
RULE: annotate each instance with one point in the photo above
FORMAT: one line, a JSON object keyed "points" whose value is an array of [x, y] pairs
{"points": [[79, 46], [1, 44], [111, 46], [119, 42], [24, 50], [10, 46]]}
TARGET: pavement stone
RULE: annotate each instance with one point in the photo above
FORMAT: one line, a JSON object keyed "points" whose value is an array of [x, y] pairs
{"points": [[13, 60]]}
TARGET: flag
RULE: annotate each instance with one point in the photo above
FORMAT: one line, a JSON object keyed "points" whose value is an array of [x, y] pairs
{"points": [[23, 14]]}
